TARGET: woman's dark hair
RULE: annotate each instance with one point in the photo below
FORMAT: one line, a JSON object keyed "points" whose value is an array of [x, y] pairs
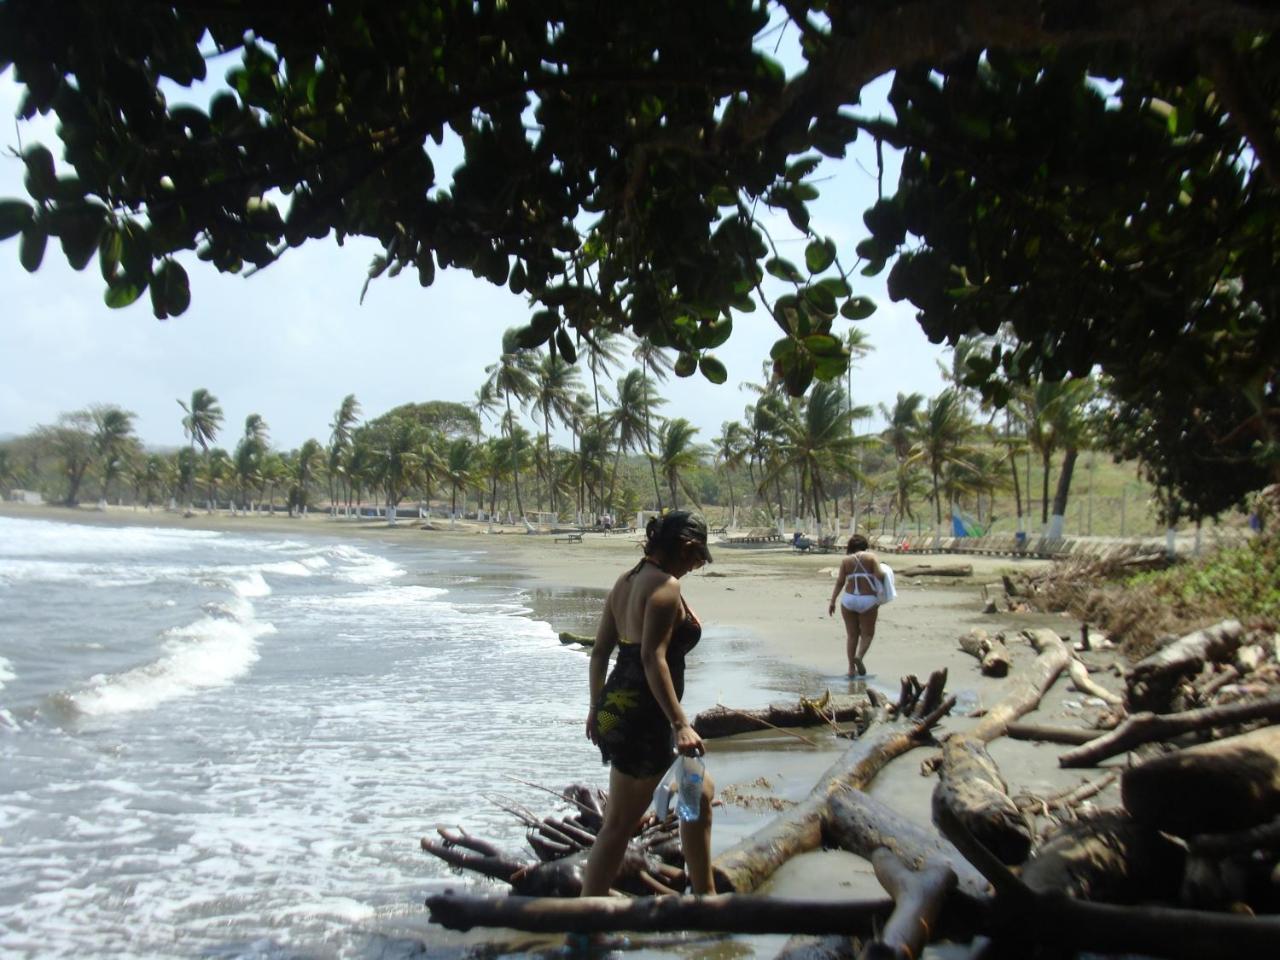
{"points": [[857, 543], [666, 533]]}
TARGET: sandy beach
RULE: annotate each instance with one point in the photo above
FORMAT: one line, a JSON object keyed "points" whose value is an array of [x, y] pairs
{"points": [[778, 597]]}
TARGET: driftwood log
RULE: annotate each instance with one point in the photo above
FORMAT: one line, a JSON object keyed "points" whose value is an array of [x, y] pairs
{"points": [[935, 570], [970, 784], [743, 867], [1025, 693], [991, 652], [1144, 728], [721, 721], [1109, 857], [918, 901], [1018, 730], [568, 636], [1151, 682], [1081, 680], [860, 824], [738, 913], [1020, 917], [1229, 785]]}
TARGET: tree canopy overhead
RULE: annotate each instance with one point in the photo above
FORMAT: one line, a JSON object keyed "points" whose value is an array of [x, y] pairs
{"points": [[618, 157]]}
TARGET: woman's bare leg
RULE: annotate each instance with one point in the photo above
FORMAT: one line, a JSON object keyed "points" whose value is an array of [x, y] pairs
{"points": [[867, 633], [851, 633], [628, 799], [695, 844]]}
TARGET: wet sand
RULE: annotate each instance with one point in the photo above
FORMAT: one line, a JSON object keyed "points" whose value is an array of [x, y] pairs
{"points": [[776, 599]]}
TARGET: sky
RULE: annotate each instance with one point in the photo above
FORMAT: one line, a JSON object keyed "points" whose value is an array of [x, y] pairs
{"points": [[289, 342]]}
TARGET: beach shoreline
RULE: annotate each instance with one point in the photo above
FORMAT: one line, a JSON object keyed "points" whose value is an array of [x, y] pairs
{"points": [[778, 598]]}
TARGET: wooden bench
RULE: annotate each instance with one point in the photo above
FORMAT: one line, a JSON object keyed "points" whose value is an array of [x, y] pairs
{"points": [[570, 538]]}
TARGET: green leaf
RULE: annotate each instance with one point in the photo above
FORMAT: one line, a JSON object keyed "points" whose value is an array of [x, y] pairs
{"points": [[713, 370], [819, 255], [802, 168], [172, 278], [41, 180], [121, 294], [685, 364], [822, 300], [712, 335], [782, 349], [823, 344], [829, 368], [836, 286], [722, 196], [31, 247], [15, 216], [783, 269], [565, 343], [79, 231], [858, 308], [109, 247]]}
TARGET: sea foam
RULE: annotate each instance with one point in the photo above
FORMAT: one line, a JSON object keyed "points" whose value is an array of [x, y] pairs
{"points": [[210, 652]]}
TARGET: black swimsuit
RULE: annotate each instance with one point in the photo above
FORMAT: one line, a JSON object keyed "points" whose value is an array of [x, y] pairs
{"points": [[635, 735]]}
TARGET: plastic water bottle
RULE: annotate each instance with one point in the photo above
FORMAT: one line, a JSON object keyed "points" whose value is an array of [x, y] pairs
{"points": [[689, 799]]}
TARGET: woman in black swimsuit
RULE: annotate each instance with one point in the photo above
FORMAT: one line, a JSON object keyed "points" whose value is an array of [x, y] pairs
{"points": [[635, 715]]}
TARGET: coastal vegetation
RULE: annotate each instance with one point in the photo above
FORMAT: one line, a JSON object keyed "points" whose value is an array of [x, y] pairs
{"points": [[1088, 191], [539, 440]]}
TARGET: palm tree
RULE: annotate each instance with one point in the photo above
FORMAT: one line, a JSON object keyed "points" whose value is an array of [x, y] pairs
{"points": [[305, 466], [554, 384], [273, 471], [113, 431], [677, 453], [512, 376], [201, 422], [397, 459], [656, 359], [1073, 427], [859, 346], [629, 420], [941, 436], [459, 469], [218, 466], [730, 452], [819, 440], [344, 421]]}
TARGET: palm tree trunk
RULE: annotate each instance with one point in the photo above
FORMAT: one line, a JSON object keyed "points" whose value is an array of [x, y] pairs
{"points": [[1064, 487], [1044, 490]]}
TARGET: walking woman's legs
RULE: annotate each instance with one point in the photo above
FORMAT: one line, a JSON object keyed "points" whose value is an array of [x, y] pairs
{"points": [[695, 843], [628, 799], [867, 633], [851, 633]]}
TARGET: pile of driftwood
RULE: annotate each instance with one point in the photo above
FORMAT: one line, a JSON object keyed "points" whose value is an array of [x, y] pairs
{"points": [[1185, 867]]}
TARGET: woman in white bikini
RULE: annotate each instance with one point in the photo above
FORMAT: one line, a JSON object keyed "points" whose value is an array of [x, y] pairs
{"points": [[858, 589]]}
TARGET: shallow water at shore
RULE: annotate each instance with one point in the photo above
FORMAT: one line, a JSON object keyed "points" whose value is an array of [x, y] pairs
{"points": [[228, 744]]}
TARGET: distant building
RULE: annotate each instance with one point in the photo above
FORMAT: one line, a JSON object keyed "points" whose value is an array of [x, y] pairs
{"points": [[25, 496]]}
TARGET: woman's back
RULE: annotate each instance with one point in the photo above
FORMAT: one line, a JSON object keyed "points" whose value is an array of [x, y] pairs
{"points": [[861, 572]]}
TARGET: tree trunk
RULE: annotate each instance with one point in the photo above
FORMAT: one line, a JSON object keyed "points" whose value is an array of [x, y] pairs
{"points": [[1026, 692], [1060, 495], [969, 783], [753, 859], [918, 901], [1081, 680], [1151, 681], [1109, 858], [721, 721], [1217, 787], [990, 651]]}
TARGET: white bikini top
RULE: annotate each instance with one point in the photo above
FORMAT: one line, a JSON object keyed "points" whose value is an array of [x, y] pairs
{"points": [[851, 580]]}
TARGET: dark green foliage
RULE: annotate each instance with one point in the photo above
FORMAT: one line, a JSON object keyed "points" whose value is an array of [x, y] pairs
{"points": [[617, 158]]}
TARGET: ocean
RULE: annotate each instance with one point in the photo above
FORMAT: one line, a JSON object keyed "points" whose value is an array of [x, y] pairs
{"points": [[223, 744]]}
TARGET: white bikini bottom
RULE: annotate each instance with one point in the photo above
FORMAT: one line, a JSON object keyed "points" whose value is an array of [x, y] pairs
{"points": [[858, 602]]}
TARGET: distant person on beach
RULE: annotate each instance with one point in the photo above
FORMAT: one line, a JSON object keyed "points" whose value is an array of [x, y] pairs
{"points": [[859, 589], [635, 718]]}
